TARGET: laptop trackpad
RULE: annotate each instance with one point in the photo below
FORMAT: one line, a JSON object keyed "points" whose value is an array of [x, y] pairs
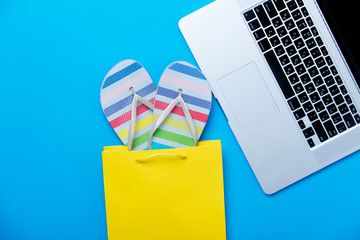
{"points": [[248, 96]]}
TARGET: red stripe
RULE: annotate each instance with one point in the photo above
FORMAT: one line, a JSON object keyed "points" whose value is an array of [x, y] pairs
{"points": [[178, 111], [127, 116]]}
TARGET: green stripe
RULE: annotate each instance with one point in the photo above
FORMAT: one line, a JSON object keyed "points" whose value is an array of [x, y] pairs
{"points": [[174, 137], [140, 140]]}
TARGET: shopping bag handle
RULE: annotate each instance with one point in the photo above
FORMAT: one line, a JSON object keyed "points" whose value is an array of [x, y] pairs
{"points": [[156, 155]]}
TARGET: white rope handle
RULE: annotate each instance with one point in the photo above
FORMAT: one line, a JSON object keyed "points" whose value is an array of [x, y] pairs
{"points": [[167, 111], [133, 115]]}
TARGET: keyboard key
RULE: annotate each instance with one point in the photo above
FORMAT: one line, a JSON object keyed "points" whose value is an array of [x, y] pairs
{"points": [[301, 124], [324, 51], [289, 69], [301, 24], [329, 81], [319, 41], [305, 78], [339, 99], [334, 90], [357, 118], [280, 5], [310, 43], [285, 15], [327, 99], [306, 34], [312, 116], [320, 131], [336, 118], [314, 97], [348, 99], [338, 80], [352, 109], [249, 15], [341, 127], [284, 60], [295, 60], [294, 103], [322, 90], [308, 62], [292, 5], [311, 143], [286, 41], [308, 106], [296, 15], [289, 24], [279, 51], [329, 60], [293, 78], [320, 62], [279, 74], [303, 53], [315, 52], [299, 114], [330, 128], [305, 12], [291, 50], [261, 14], [309, 132], [281, 31], [313, 71], [303, 97], [343, 90], [276, 22], [264, 45], [300, 3], [310, 88], [270, 31], [315, 32], [299, 43], [309, 21], [318, 81], [254, 24], [294, 34], [300, 69], [323, 116], [319, 106], [259, 34], [270, 9], [343, 108], [349, 120], [333, 70], [298, 88], [331, 109], [274, 41]]}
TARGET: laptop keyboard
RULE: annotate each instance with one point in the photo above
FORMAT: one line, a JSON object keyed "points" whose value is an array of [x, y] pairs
{"points": [[303, 68]]}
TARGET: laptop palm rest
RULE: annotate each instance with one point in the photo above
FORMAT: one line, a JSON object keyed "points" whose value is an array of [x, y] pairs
{"points": [[247, 94]]}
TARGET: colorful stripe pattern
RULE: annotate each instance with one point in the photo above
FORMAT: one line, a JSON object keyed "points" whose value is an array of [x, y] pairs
{"points": [[116, 101], [175, 131]]}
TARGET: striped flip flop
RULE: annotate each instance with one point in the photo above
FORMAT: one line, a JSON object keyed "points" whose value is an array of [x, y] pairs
{"points": [[182, 107], [127, 97]]}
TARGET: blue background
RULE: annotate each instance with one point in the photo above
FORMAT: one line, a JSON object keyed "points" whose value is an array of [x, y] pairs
{"points": [[53, 58]]}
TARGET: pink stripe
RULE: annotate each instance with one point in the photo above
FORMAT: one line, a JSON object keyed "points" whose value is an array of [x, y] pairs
{"points": [[127, 116], [192, 86], [178, 111], [106, 97]]}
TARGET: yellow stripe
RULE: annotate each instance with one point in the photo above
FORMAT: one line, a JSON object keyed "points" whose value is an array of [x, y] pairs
{"points": [[179, 124], [138, 126]]}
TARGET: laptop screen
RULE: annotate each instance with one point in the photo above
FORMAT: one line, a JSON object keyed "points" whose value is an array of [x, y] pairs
{"points": [[343, 18]]}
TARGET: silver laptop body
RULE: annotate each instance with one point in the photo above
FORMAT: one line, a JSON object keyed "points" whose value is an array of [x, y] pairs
{"points": [[284, 84]]}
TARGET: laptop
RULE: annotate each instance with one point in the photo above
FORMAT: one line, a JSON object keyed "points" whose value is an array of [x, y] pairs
{"points": [[286, 74]]}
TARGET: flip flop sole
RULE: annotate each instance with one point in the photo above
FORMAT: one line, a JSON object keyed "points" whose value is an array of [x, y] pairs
{"points": [[116, 101], [175, 131]]}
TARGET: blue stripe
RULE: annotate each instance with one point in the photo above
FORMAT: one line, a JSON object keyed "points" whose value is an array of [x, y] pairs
{"points": [[128, 100], [187, 70], [121, 74], [187, 98]]}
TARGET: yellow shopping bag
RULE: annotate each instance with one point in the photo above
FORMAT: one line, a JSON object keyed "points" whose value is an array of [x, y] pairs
{"points": [[170, 194]]}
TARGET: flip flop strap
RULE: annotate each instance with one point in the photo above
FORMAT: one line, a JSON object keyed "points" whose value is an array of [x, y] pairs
{"points": [[165, 114], [133, 115]]}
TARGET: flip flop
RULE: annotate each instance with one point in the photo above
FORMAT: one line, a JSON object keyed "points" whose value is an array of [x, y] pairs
{"points": [[127, 96], [182, 106]]}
